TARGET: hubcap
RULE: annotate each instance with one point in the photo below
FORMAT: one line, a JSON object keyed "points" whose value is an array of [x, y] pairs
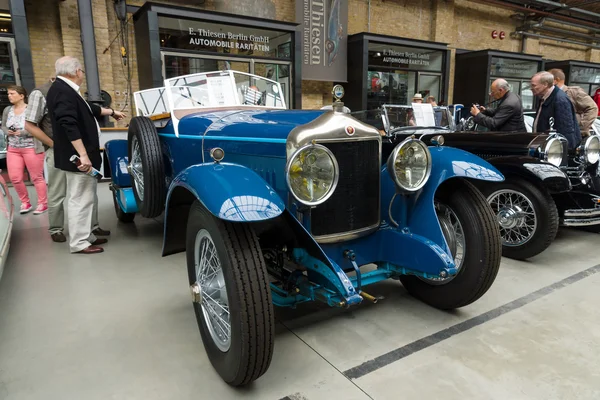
{"points": [[136, 168], [516, 216], [210, 292], [455, 237], [510, 218]]}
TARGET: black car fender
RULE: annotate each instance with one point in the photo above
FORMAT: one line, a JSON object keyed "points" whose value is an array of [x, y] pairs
{"points": [[534, 170]]}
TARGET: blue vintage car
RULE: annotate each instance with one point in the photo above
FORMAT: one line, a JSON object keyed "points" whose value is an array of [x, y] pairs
{"points": [[278, 207]]}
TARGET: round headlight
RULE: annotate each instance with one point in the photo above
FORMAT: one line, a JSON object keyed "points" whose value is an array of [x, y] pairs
{"points": [[591, 149], [312, 174], [553, 152], [409, 165]]}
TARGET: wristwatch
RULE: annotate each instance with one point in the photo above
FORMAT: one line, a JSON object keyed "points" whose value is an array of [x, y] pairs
{"points": [[113, 112]]}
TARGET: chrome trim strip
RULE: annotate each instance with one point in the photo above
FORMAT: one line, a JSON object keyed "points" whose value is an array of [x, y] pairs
{"points": [[227, 138], [341, 237], [587, 213], [581, 222], [347, 139]]}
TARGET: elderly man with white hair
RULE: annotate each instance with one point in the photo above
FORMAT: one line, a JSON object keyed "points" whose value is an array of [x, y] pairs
{"points": [[76, 133], [508, 114], [556, 112]]}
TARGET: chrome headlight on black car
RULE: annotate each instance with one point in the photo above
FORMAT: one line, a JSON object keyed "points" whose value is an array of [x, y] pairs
{"points": [[591, 149], [409, 165], [553, 151], [312, 174]]}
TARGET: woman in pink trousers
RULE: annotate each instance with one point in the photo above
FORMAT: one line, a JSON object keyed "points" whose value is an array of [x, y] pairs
{"points": [[23, 150]]}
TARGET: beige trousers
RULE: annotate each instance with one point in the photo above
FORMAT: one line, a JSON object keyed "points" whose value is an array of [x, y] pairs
{"points": [[81, 192], [57, 191]]}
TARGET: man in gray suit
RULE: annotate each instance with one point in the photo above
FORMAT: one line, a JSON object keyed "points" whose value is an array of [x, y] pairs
{"points": [[508, 114]]}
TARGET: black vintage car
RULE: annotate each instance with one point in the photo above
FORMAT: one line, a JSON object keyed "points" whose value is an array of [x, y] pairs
{"points": [[536, 196]]}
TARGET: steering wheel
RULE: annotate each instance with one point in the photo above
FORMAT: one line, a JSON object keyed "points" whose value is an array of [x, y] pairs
{"points": [[470, 124]]}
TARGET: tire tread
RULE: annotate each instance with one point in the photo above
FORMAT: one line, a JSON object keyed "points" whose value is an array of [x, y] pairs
{"points": [[453, 294], [251, 282], [154, 170]]}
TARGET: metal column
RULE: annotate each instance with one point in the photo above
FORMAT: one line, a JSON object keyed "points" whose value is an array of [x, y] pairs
{"points": [[88, 42], [22, 44]]}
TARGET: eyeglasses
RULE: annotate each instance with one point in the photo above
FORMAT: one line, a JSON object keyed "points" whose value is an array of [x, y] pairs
{"points": [[82, 71]]}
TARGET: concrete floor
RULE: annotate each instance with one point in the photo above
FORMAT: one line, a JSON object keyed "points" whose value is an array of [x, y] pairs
{"points": [[120, 325]]}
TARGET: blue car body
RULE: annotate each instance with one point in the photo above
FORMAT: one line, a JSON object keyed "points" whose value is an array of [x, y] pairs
{"points": [[249, 186]]}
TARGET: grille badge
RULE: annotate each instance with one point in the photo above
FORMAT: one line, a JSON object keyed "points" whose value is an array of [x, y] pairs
{"points": [[350, 130]]}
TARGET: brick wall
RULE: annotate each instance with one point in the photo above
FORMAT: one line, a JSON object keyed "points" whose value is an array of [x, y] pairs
{"points": [[463, 24], [404, 18], [45, 37], [477, 21]]}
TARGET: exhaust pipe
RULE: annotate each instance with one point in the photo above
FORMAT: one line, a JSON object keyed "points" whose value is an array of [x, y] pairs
{"points": [[368, 297]]}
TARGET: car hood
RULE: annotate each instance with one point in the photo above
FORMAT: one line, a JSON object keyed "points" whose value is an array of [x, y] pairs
{"points": [[501, 141], [481, 143], [268, 124]]}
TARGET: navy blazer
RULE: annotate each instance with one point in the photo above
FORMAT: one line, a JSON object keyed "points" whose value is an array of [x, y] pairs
{"points": [[559, 107], [72, 119]]}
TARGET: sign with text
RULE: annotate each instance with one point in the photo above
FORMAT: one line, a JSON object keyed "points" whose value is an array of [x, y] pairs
{"points": [[324, 33], [405, 57], [183, 34], [206, 37], [584, 75], [509, 68]]}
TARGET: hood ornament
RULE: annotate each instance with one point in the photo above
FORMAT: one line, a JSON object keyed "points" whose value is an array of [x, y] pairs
{"points": [[338, 92]]}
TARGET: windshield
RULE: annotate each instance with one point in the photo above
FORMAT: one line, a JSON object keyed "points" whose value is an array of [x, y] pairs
{"points": [[398, 118], [223, 89]]}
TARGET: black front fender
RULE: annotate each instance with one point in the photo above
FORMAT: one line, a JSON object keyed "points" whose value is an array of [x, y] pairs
{"points": [[534, 170]]}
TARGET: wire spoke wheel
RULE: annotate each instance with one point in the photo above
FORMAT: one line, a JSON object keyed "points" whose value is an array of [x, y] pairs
{"points": [[137, 169], [516, 216], [210, 279], [454, 235], [472, 235], [231, 295]]}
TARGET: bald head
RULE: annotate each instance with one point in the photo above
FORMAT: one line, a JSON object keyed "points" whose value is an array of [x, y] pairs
{"points": [[499, 88]]}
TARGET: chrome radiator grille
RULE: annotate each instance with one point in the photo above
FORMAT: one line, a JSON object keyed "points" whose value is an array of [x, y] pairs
{"points": [[354, 206]]}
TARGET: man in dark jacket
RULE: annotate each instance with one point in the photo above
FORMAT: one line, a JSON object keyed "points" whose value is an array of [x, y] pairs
{"points": [[507, 116], [76, 132], [556, 111], [38, 123]]}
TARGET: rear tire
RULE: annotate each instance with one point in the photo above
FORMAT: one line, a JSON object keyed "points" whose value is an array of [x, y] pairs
{"points": [[480, 257], [147, 167], [238, 278]]}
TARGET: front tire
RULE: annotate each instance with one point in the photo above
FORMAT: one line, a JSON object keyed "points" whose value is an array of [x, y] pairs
{"points": [[478, 259], [235, 315], [527, 216]]}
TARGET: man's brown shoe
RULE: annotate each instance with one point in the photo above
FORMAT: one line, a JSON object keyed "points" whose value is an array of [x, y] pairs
{"points": [[101, 232], [100, 241], [58, 237], [91, 250]]}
